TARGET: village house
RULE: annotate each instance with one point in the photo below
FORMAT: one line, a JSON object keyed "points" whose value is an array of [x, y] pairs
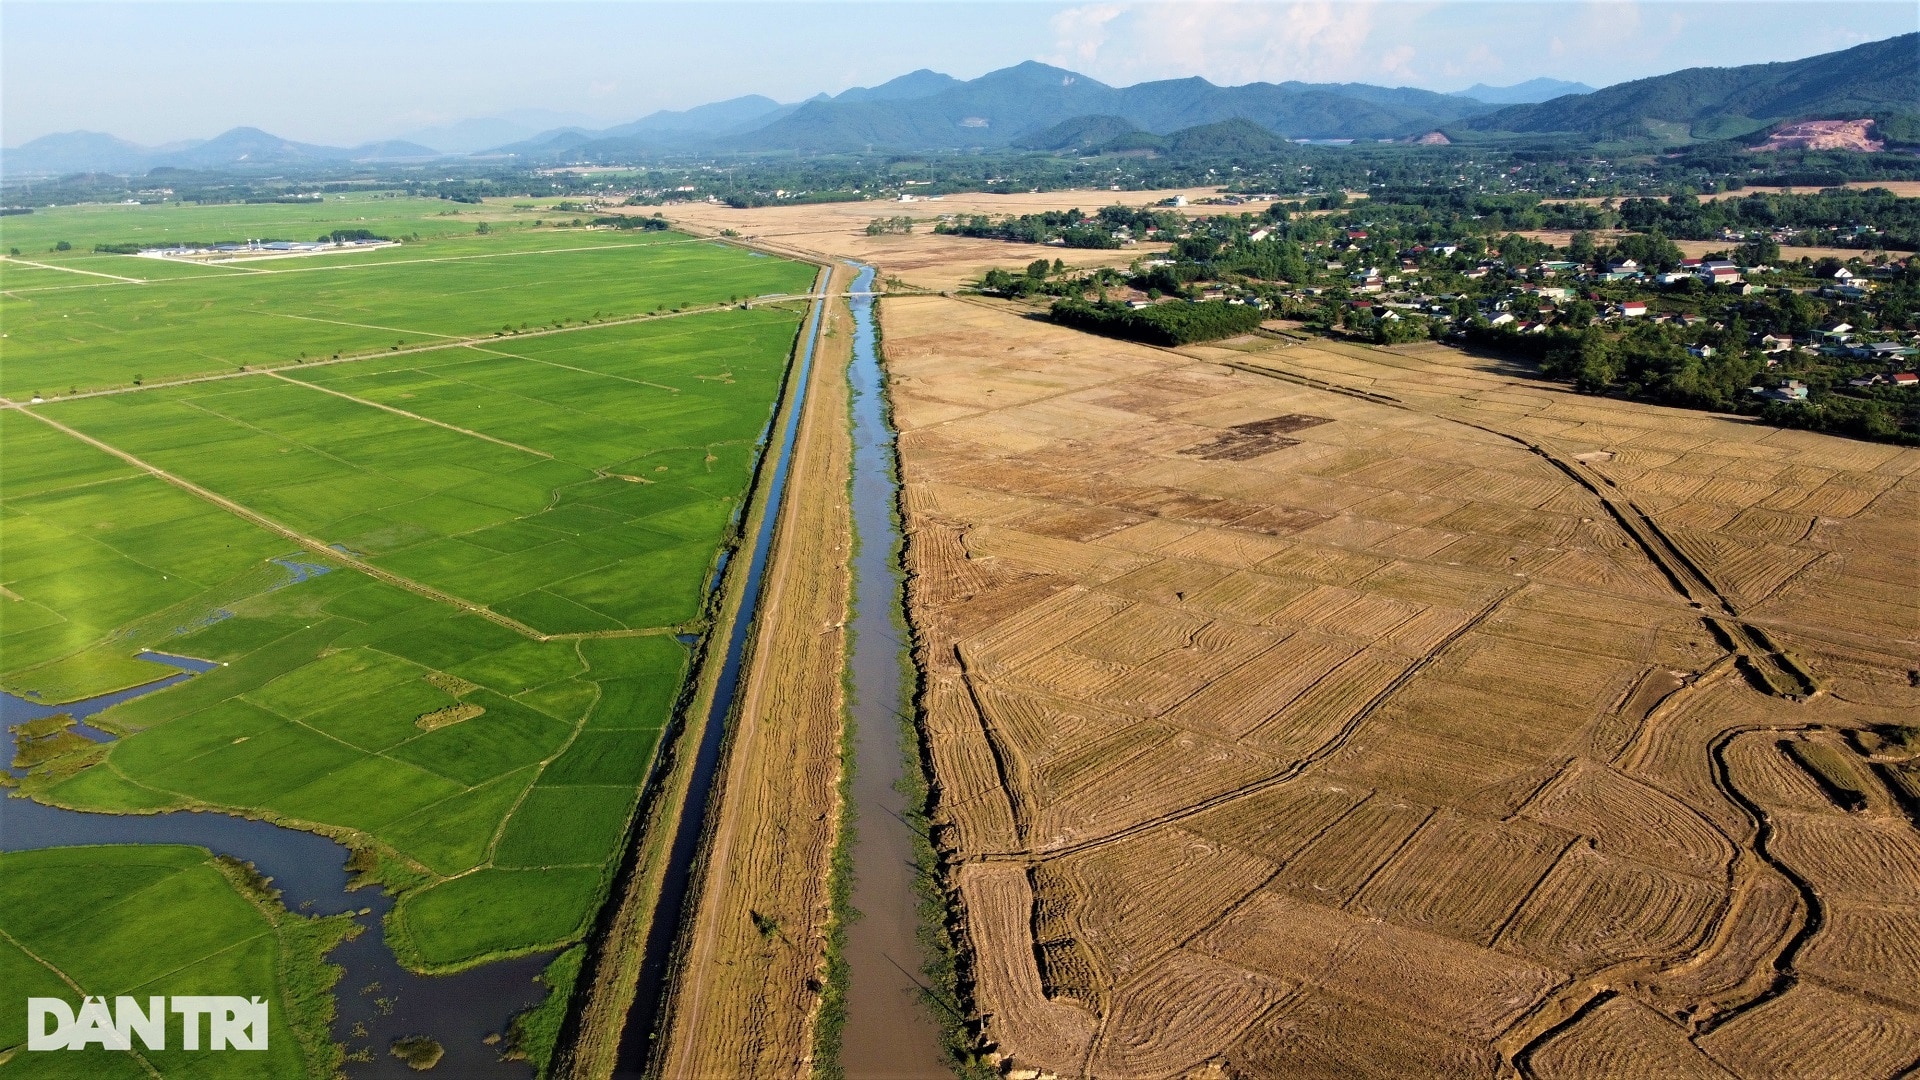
{"points": [[1885, 350], [1622, 270], [1719, 272]]}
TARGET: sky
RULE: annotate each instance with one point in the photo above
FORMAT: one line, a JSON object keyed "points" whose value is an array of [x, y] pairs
{"points": [[347, 72]]}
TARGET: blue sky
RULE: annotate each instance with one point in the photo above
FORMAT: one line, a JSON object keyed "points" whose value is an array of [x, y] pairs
{"points": [[347, 72]]}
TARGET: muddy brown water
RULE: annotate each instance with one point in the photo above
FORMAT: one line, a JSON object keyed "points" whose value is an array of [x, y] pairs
{"points": [[890, 1030]]}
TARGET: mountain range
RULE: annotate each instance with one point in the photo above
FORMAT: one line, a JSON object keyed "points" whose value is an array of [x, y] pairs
{"points": [[1040, 107], [90, 151]]}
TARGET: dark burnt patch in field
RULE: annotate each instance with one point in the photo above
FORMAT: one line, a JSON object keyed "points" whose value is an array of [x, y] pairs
{"points": [[1243, 442]]}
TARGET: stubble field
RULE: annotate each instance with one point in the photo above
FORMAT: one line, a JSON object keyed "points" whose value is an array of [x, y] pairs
{"points": [[1305, 709]]}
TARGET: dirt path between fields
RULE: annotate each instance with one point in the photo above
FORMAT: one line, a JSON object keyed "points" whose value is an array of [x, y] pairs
{"points": [[748, 992]]}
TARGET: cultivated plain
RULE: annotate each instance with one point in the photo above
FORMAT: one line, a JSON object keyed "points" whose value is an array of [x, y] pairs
{"points": [[447, 576]]}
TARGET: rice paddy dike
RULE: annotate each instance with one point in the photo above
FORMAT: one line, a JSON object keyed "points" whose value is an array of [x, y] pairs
{"points": [[444, 515]]}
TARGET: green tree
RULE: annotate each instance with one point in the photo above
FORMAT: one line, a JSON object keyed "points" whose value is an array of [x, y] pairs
{"points": [[1651, 250], [1595, 366], [1761, 252]]}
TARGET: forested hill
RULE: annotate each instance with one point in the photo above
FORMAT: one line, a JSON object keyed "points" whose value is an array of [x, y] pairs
{"points": [[1878, 79]]}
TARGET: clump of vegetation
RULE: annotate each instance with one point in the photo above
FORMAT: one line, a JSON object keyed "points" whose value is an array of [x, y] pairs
{"points": [[448, 716], [39, 741], [1889, 743], [452, 684], [1158, 324], [1109, 228], [420, 1052], [339, 236], [535, 1032], [247, 878], [656, 223]]}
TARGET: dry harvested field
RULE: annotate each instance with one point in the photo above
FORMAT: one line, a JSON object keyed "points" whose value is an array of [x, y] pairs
{"points": [[1298, 708], [926, 261]]}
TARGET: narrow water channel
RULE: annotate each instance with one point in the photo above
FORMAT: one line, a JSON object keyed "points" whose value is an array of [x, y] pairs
{"points": [[889, 1031], [379, 1000], [670, 911]]}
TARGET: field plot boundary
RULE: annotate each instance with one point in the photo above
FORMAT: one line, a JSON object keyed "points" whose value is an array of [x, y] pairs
{"points": [[312, 544], [72, 270], [413, 416], [1770, 668], [1321, 753], [405, 350]]}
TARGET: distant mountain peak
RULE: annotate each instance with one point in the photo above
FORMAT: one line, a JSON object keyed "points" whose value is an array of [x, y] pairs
{"points": [[1036, 105], [924, 82], [1035, 71], [1525, 93]]}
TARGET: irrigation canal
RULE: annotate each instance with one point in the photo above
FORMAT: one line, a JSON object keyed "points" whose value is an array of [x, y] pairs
{"points": [[889, 1032], [671, 909]]}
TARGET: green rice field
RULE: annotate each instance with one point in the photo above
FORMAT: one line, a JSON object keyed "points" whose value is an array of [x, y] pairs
{"points": [[73, 329], [447, 577], [145, 920]]}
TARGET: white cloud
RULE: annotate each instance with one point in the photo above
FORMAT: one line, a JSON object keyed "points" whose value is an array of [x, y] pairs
{"points": [[1398, 61], [1226, 41], [1079, 32]]}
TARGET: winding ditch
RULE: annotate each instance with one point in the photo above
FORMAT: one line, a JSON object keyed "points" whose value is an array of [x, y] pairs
{"points": [[379, 1000]]}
